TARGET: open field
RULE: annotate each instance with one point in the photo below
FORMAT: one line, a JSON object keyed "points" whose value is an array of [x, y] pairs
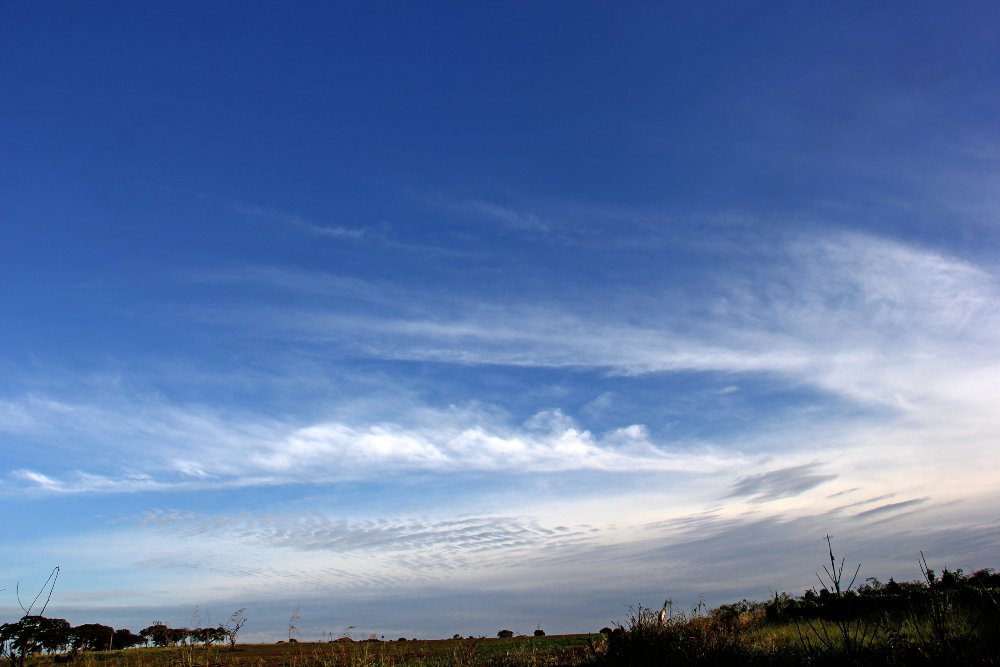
{"points": [[748, 637], [554, 650]]}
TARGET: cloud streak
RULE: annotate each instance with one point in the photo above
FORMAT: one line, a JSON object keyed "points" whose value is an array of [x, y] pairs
{"points": [[892, 507], [185, 448], [851, 314], [296, 221], [481, 209], [902, 332], [780, 483]]}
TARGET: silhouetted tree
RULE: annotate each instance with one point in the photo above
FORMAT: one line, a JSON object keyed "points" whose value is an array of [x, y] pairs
{"points": [[125, 638], [232, 628], [208, 636], [32, 634], [178, 635], [92, 637], [54, 634], [158, 633]]}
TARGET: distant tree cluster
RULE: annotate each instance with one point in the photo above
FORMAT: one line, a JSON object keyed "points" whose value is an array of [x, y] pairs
{"points": [[33, 634], [38, 634], [159, 634]]}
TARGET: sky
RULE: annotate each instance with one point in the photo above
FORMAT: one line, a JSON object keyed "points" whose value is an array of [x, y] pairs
{"points": [[434, 318]]}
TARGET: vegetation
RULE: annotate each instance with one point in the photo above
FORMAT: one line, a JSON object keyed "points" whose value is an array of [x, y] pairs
{"points": [[551, 651], [953, 619], [947, 619]]}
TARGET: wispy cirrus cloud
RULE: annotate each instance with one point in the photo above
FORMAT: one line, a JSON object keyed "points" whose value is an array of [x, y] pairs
{"points": [[901, 331], [477, 208], [39, 480], [858, 316], [296, 221], [518, 219]]}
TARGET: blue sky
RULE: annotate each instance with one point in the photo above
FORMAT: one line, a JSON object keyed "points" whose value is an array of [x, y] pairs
{"points": [[428, 318]]}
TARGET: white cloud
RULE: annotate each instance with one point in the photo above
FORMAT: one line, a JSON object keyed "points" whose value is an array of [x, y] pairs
{"points": [[906, 333], [38, 479], [824, 312], [296, 221], [192, 448], [887, 326]]}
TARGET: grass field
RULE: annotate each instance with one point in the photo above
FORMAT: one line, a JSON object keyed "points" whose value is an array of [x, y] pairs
{"points": [[749, 638], [566, 650]]}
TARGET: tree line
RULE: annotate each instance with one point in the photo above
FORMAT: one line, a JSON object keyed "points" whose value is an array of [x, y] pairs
{"points": [[39, 634]]}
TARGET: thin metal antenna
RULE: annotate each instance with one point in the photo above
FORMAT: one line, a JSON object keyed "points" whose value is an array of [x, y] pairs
{"points": [[53, 577]]}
